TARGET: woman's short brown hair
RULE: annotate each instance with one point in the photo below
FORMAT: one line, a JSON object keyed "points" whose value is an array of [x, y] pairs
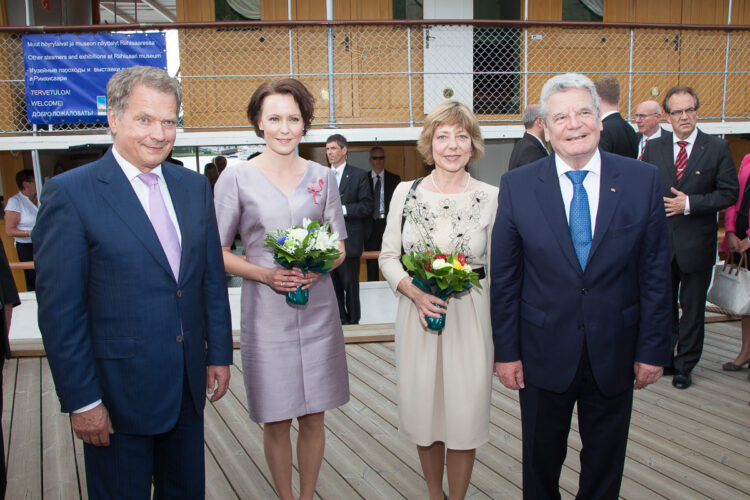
{"points": [[289, 86], [450, 113]]}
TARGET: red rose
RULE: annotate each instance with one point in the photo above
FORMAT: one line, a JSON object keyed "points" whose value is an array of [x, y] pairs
{"points": [[462, 259]]}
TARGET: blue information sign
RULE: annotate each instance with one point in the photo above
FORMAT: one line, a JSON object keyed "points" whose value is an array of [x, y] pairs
{"points": [[67, 74]]}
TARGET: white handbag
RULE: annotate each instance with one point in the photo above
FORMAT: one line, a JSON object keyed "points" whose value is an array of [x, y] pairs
{"points": [[730, 287]]}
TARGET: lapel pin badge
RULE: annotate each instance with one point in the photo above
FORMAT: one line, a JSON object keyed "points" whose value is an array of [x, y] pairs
{"points": [[697, 172], [613, 190]]}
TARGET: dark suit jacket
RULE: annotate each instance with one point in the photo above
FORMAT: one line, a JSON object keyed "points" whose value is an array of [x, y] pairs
{"points": [[356, 196], [8, 296], [390, 181], [710, 181], [544, 307], [527, 150], [116, 324], [618, 137]]}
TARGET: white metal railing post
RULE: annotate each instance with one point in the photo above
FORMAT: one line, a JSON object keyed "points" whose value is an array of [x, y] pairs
{"points": [[331, 89], [291, 38], [525, 66], [726, 74], [630, 76], [409, 75]]}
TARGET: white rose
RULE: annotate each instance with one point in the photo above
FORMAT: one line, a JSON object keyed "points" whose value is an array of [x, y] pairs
{"points": [[298, 235], [439, 264]]}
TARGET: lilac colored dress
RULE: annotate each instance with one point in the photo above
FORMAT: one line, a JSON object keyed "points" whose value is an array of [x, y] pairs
{"points": [[293, 357]]}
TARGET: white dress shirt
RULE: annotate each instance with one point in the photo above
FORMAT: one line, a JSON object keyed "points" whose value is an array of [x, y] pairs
{"points": [[688, 149], [540, 142], [141, 189], [591, 183], [339, 174]]}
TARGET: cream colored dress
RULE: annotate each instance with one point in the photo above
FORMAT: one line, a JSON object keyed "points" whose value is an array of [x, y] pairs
{"points": [[444, 379]]}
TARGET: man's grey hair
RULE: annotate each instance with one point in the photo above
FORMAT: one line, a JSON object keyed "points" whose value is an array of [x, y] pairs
{"points": [[530, 114], [561, 83], [122, 83]]}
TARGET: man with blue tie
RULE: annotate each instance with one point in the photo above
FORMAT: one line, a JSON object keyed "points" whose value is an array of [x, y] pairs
{"points": [[132, 298], [580, 293]]}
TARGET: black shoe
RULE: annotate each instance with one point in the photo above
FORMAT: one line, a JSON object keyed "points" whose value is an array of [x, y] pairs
{"points": [[682, 380], [731, 367]]}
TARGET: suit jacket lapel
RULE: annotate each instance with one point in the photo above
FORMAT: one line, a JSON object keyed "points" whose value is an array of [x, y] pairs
{"points": [[609, 196], [667, 153], [344, 178], [549, 197], [181, 203], [118, 193]]}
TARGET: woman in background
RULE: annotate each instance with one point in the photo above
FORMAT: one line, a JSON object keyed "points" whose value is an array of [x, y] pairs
{"points": [[737, 240], [444, 378], [20, 217], [293, 358]]}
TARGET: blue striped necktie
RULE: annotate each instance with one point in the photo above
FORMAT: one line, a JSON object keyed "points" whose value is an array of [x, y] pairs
{"points": [[580, 218]]}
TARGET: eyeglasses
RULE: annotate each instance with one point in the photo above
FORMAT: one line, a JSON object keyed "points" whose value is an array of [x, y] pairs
{"points": [[678, 113], [643, 117], [377, 157]]}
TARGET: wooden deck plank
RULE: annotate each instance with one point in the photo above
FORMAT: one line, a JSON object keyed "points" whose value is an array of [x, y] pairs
{"points": [[9, 387], [78, 446], [235, 464], [217, 484], [59, 471], [24, 456]]}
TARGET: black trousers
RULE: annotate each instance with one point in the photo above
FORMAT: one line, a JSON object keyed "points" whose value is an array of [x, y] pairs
{"points": [[26, 254], [603, 423], [689, 290], [345, 280], [374, 242]]}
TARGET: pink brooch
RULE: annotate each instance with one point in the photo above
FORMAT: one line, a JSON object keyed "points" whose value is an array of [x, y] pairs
{"points": [[315, 189]]}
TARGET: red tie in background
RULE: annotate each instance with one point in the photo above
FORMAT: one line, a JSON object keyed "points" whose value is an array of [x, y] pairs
{"points": [[681, 162], [643, 148]]}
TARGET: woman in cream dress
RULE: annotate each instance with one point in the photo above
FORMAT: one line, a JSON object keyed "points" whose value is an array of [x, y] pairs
{"points": [[444, 378]]}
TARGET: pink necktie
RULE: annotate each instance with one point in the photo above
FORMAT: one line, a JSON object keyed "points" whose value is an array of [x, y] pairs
{"points": [[163, 225]]}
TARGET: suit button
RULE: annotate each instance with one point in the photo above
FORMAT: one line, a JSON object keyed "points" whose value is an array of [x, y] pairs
{"points": [[580, 326], [178, 338], [584, 291], [179, 293]]}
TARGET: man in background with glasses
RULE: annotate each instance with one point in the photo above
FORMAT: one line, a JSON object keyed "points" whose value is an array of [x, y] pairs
{"points": [[382, 183], [647, 118], [698, 179]]}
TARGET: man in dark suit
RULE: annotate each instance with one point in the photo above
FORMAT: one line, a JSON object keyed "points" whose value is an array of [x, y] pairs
{"points": [[356, 200], [382, 183], [617, 136], [579, 293], [132, 299], [647, 117], [698, 179], [9, 299], [531, 146]]}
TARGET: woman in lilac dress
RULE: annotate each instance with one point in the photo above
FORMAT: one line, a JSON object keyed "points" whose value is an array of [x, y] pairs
{"points": [[293, 358]]}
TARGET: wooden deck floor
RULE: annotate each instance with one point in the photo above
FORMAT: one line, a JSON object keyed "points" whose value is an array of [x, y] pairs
{"points": [[683, 444]]}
